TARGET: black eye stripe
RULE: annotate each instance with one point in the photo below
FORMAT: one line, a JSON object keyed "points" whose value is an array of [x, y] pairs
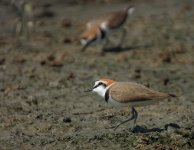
{"points": [[100, 83], [103, 84]]}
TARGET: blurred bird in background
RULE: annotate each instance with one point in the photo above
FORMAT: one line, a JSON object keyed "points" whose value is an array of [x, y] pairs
{"points": [[100, 28]]}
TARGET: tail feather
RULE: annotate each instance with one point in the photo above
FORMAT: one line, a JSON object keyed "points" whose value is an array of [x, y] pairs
{"points": [[130, 9], [161, 95]]}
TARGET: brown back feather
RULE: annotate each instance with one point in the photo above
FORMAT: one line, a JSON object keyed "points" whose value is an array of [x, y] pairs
{"points": [[117, 19], [129, 92]]}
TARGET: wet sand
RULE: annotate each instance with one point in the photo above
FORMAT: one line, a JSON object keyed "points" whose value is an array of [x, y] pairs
{"points": [[43, 76]]}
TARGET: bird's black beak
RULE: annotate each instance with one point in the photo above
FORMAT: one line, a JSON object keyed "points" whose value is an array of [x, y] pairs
{"points": [[84, 47], [87, 44], [89, 90]]}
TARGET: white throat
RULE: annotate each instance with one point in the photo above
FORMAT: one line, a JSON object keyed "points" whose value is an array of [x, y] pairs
{"points": [[100, 90]]}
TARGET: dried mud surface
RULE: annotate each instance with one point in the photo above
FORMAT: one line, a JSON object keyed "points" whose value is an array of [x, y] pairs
{"points": [[43, 76]]}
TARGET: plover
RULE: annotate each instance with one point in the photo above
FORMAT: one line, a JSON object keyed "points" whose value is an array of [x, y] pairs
{"points": [[127, 94], [100, 27]]}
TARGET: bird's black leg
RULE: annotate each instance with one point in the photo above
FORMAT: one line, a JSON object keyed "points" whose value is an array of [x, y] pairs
{"points": [[106, 43], [134, 116], [124, 33]]}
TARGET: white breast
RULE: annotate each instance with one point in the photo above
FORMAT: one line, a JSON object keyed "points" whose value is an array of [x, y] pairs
{"points": [[114, 103]]}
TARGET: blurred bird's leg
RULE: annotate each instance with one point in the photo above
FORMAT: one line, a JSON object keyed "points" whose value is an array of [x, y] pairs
{"points": [[25, 22], [28, 18], [105, 43], [108, 41], [30, 28], [18, 27], [123, 36]]}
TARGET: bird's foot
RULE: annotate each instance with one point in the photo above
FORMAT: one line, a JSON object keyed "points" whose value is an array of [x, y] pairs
{"points": [[133, 129], [114, 127]]}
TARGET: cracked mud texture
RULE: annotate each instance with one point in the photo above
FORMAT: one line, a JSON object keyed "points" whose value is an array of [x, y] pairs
{"points": [[43, 75]]}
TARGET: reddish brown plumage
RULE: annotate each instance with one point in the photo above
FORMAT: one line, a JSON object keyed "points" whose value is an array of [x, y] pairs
{"points": [[107, 81], [91, 33]]}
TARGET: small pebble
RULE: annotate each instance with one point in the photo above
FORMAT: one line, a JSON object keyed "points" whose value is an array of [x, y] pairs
{"points": [[66, 119]]}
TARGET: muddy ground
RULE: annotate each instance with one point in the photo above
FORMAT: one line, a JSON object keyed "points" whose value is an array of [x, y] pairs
{"points": [[43, 75]]}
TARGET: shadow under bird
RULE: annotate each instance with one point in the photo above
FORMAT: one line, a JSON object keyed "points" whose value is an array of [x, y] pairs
{"points": [[100, 27], [127, 94]]}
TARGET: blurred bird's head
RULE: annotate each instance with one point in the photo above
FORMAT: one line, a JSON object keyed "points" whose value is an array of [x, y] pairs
{"points": [[91, 36]]}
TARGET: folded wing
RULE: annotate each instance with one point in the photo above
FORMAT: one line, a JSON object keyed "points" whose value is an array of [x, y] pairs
{"points": [[131, 92]]}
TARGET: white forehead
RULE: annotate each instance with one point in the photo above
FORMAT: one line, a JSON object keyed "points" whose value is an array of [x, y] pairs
{"points": [[100, 81], [97, 82]]}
